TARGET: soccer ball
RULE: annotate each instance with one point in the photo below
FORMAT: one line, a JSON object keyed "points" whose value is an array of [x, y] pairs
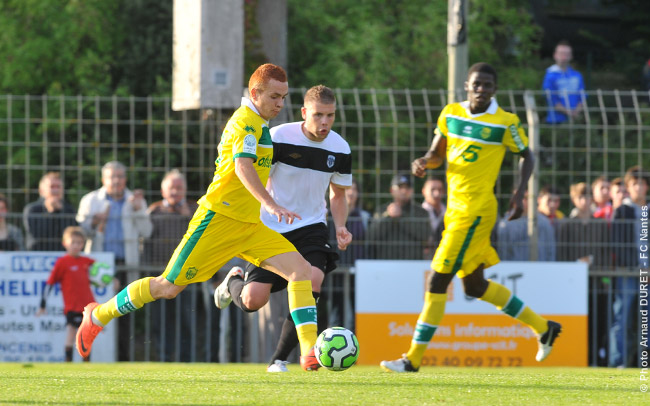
{"points": [[337, 349], [101, 274]]}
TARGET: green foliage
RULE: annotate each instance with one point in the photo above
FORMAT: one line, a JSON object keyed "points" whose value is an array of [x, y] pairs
{"points": [[254, 55], [352, 43], [345, 43], [503, 33], [85, 47]]}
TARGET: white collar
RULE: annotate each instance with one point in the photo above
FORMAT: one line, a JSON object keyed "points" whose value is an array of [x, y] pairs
{"points": [[492, 109], [248, 103]]}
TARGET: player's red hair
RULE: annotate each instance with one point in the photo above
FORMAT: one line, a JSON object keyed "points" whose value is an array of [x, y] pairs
{"points": [[264, 74]]}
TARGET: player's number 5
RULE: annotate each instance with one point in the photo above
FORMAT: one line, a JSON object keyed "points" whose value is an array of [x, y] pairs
{"points": [[471, 153]]}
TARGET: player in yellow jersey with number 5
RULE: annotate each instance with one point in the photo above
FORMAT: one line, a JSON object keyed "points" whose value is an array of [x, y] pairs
{"points": [[227, 224], [473, 136]]}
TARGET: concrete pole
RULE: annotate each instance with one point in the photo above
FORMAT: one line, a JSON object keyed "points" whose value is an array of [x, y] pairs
{"points": [[272, 18], [533, 183], [457, 48]]}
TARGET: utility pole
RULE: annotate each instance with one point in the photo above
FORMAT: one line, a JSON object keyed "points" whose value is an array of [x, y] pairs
{"points": [[457, 48]]}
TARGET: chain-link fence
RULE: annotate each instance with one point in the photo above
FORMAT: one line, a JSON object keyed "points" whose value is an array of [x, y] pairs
{"points": [[386, 129]]}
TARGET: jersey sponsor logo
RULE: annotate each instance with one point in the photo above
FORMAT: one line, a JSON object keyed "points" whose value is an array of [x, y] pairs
{"points": [[249, 129], [250, 144], [330, 161], [264, 162], [483, 132], [191, 272]]}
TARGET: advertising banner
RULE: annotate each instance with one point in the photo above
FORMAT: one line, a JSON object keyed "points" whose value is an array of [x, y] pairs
{"points": [[26, 337], [390, 295]]}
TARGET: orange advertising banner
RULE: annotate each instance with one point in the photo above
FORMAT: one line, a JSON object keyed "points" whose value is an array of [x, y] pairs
{"points": [[389, 296], [470, 341]]}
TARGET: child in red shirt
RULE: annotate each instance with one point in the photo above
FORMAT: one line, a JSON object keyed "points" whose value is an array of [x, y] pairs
{"points": [[71, 271]]}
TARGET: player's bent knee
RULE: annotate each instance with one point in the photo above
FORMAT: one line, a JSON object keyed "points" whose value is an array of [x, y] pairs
{"points": [[317, 277], [255, 295], [475, 288], [252, 304], [439, 281]]}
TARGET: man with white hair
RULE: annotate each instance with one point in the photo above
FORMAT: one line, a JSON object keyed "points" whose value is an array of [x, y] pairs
{"points": [[115, 218]]}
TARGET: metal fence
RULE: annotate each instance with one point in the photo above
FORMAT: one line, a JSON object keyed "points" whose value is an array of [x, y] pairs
{"points": [[386, 129]]}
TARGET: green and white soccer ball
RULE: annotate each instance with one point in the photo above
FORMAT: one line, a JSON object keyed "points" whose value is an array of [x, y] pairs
{"points": [[101, 274], [337, 349]]}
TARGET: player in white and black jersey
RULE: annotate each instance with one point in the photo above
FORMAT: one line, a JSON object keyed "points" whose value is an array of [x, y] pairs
{"points": [[308, 159]]}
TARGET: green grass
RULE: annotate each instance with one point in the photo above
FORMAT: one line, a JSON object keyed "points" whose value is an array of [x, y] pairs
{"points": [[250, 384]]}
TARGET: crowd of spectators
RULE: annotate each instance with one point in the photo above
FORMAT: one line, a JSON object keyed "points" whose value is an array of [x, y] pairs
{"points": [[601, 230]]}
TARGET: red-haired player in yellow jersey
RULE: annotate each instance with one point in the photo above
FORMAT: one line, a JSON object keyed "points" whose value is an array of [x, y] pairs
{"points": [[227, 224]]}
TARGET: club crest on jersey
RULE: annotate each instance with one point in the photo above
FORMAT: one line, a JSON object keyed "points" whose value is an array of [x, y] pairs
{"points": [[330, 161], [485, 133], [191, 272]]}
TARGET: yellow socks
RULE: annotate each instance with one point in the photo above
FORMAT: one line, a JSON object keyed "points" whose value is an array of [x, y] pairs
{"points": [[504, 300], [303, 312], [131, 298], [432, 312]]}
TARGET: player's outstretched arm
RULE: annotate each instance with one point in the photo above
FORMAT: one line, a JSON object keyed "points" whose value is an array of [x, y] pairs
{"points": [[247, 174], [339, 207], [433, 158]]}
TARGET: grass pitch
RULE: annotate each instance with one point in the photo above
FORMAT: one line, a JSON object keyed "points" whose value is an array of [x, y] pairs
{"points": [[250, 384]]}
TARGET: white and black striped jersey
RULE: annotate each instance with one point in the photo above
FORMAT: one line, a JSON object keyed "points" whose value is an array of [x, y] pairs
{"points": [[302, 172]]}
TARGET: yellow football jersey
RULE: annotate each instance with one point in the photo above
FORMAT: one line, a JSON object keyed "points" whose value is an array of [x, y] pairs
{"points": [[246, 135], [476, 145]]}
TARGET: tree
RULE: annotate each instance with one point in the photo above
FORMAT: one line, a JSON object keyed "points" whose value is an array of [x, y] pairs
{"points": [[396, 44], [85, 47]]}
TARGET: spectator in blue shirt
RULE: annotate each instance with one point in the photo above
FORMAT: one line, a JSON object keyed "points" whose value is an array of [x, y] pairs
{"points": [[564, 86]]}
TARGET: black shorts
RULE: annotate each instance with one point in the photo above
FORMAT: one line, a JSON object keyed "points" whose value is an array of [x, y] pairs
{"points": [[312, 242], [74, 319]]}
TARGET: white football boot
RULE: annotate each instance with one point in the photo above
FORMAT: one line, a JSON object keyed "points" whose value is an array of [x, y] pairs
{"points": [[399, 365], [546, 340], [278, 366], [222, 296]]}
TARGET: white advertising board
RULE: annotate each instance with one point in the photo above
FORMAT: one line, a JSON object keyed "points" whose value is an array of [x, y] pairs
{"points": [[399, 286], [25, 337], [390, 296]]}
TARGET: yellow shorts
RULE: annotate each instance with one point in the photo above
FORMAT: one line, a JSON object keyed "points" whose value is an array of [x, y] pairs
{"points": [[465, 245], [213, 239]]}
